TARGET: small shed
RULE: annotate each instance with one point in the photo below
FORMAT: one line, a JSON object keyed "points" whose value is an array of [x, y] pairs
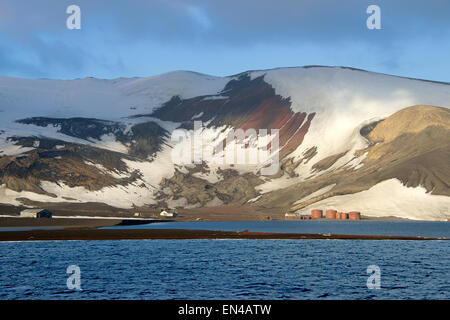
{"points": [[35, 213], [291, 216], [165, 213]]}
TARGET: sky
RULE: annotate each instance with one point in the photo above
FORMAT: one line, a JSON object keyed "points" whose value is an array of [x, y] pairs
{"points": [[127, 38]]}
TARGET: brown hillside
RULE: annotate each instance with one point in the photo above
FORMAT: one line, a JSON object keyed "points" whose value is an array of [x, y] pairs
{"points": [[410, 120]]}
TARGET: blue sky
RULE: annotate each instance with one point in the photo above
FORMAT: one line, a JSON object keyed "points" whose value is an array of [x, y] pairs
{"points": [[126, 38]]}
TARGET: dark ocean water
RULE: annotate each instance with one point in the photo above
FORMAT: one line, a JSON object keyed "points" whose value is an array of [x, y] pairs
{"points": [[389, 228], [225, 269]]}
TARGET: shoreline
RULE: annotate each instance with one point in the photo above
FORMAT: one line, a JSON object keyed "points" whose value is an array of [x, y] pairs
{"points": [[180, 234], [223, 213], [7, 221]]}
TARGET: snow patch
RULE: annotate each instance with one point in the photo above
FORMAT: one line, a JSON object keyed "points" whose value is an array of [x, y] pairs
{"points": [[196, 116], [316, 193], [216, 98], [112, 173], [391, 198], [254, 199], [109, 142]]}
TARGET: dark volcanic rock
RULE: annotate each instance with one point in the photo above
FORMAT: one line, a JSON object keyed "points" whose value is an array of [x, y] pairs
{"points": [[143, 140], [82, 128], [70, 164], [147, 139]]}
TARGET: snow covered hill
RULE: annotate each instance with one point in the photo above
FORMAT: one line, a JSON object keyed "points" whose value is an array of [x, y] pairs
{"points": [[98, 98], [108, 141]]}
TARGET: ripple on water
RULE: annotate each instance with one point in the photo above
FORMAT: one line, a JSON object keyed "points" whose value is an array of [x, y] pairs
{"points": [[208, 269]]}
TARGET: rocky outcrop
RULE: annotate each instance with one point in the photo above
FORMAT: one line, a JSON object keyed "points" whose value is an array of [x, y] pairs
{"points": [[61, 162], [82, 128], [143, 139], [232, 188]]}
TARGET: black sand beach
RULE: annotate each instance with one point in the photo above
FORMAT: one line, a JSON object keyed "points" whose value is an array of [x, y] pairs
{"points": [[174, 234]]}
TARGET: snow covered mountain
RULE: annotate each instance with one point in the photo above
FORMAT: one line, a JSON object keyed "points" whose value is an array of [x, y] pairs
{"points": [[348, 138]]}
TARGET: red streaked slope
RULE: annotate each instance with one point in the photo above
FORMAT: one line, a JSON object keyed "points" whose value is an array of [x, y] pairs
{"points": [[244, 103]]}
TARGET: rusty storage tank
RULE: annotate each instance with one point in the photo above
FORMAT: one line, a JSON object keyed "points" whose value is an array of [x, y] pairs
{"points": [[354, 215], [330, 214], [291, 216], [341, 215], [316, 214]]}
